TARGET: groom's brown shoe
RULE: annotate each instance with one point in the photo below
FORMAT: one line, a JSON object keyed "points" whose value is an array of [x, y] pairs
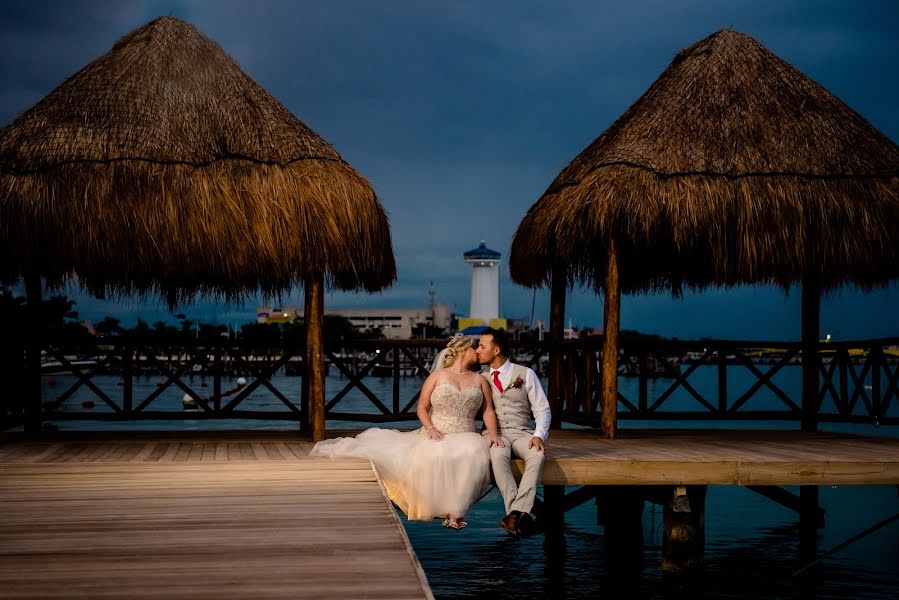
{"points": [[510, 522], [526, 525]]}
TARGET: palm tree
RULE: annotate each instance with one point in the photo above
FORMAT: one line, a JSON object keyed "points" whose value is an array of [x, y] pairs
{"points": [[109, 327]]}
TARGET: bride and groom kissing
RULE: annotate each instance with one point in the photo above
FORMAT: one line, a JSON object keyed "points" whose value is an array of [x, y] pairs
{"points": [[441, 469]]}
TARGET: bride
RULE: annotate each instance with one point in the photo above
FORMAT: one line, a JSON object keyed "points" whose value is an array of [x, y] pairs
{"points": [[441, 469]]}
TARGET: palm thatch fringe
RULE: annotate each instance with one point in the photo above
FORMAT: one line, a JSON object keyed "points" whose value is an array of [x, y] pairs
{"points": [[676, 232], [226, 229]]}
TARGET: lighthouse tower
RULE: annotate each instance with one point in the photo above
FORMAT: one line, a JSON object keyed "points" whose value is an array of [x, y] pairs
{"points": [[484, 283]]}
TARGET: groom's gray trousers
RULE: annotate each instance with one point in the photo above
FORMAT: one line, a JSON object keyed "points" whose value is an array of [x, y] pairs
{"points": [[517, 496]]}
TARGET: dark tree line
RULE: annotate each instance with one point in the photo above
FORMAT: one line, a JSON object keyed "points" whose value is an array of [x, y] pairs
{"points": [[59, 324]]}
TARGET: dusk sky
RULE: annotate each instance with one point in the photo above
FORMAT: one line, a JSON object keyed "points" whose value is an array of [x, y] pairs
{"points": [[461, 113]]}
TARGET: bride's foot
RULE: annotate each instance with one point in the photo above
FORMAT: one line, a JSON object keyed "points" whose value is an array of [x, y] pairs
{"points": [[455, 522]]}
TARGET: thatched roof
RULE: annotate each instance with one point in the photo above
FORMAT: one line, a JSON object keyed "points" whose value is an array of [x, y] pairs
{"points": [[161, 166], [732, 168]]}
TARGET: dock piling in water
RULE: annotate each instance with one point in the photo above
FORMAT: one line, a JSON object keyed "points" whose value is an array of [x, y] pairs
{"points": [[683, 540]]}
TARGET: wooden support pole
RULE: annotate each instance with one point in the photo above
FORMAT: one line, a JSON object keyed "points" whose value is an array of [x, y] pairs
{"points": [[722, 381], [876, 358], [643, 378], [611, 323], [553, 517], [304, 391], [217, 377], [128, 383], [587, 386], [556, 333], [32, 388], [811, 315], [809, 521], [315, 355], [808, 494], [555, 554], [396, 380], [620, 510], [683, 540]]}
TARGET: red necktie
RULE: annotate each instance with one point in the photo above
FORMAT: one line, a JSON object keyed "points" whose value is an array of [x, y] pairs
{"points": [[496, 382]]}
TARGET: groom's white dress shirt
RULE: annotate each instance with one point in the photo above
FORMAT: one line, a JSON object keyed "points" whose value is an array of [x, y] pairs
{"points": [[536, 397]]}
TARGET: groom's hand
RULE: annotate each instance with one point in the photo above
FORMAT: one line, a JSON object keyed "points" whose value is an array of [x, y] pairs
{"points": [[536, 443]]}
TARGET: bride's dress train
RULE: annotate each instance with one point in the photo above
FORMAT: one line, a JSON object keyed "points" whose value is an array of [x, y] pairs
{"points": [[427, 479]]}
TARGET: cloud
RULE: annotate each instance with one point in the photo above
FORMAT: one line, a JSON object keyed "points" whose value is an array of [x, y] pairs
{"points": [[461, 113]]}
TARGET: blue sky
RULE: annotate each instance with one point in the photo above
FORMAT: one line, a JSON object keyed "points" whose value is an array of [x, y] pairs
{"points": [[461, 114]]}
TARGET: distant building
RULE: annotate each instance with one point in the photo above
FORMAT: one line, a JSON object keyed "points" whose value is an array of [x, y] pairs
{"points": [[484, 307], [484, 282], [394, 323], [278, 315]]}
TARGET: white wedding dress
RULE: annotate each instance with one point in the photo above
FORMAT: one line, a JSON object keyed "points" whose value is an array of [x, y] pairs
{"points": [[426, 478]]}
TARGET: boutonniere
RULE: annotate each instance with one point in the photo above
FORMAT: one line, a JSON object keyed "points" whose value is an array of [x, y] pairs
{"points": [[516, 384]]}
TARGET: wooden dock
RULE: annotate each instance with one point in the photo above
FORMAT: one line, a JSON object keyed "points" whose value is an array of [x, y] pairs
{"points": [[240, 514], [719, 457], [225, 518]]}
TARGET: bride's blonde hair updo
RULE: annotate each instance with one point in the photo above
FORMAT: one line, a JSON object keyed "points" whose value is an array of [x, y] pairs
{"points": [[454, 348]]}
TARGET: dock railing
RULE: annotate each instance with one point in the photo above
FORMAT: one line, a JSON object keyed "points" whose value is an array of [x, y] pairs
{"points": [[659, 380], [741, 380]]}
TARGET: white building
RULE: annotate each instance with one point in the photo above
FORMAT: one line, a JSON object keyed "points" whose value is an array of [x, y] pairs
{"points": [[484, 283], [393, 322]]}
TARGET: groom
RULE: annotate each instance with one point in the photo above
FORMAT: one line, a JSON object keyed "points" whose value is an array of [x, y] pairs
{"points": [[517, 397]]}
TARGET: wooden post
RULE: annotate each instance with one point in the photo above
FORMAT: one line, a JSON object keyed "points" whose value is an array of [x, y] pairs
{"points": [[722, 381], [620, 510], [555, 559], [556, 329], [304, 391], [396, 379], [875, 356], [843, 356], [553, 516], [643, 377], [811, 314], [588, 385], [683, 541], [128, 374], [611, 322], [217, 378], [808, 494], [315, 356], [32, 388]]}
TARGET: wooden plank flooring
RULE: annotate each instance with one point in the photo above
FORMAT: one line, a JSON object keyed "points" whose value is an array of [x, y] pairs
{"points": [[724, 457], [177, 519], [574, 456]]}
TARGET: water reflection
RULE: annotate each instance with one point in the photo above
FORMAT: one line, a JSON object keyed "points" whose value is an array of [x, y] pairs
{"points": [[743, 560]]}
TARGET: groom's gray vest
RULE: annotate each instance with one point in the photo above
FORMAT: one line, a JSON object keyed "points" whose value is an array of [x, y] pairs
{"points": [[513, 409]]}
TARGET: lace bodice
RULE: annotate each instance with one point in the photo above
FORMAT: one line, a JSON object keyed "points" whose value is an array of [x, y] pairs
{"points": [[453, 410]]}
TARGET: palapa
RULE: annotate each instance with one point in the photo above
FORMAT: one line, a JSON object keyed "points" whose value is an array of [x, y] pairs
{"points": [[161, 166], [732, 168]]}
